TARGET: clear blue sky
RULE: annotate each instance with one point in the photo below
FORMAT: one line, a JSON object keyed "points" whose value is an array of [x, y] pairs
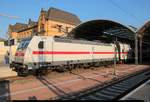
{"points": [[132, 12]]}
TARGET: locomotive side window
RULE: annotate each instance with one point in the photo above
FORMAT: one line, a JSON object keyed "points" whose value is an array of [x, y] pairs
{"points": [[41, 45]]}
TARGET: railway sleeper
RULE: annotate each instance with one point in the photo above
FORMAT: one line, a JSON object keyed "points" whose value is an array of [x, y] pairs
{"points": [[103, 96], [92, 97], [114, 90], [109, 93]]}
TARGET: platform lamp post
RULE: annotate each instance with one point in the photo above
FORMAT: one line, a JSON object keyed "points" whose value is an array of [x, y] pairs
{"points": [[115, 55]]}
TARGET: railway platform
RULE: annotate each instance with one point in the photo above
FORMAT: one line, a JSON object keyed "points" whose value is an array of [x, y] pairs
{"points": [[6, 72], [140, 93], [55, 85]]}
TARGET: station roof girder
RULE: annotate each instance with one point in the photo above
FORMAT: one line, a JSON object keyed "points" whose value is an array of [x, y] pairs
{"points": [[96, 29]]}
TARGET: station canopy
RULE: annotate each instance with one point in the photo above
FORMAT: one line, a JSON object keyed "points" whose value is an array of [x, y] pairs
{"points": [[144, 32], [102, 30]]}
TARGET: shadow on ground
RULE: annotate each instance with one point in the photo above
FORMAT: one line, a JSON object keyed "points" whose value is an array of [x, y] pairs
{"points": [[51, 86], [84, 78]]}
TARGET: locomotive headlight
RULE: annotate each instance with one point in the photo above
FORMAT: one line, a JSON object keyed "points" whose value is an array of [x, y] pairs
{"points": [[40, 65]]}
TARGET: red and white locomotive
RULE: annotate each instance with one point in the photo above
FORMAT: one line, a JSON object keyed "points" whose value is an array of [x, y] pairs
{"points": [[43, 52]]}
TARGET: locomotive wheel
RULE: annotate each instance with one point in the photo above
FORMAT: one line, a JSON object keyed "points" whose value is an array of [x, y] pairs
{"points": [[60, 69], [22, 73], [44, 72], [77, 66], [85, 66], [37, 72], [65, 68], [70, 69], [19, 73]]}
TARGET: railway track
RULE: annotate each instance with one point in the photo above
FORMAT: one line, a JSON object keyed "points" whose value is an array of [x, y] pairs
{"points": [[49, 74], [113, 90]]}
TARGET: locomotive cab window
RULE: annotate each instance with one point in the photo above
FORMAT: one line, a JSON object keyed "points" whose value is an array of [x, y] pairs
{"points": [[41, 45], [23, 44]]}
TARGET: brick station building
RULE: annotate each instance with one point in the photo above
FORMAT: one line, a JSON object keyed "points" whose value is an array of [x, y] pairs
{"points": [[54, 22]]}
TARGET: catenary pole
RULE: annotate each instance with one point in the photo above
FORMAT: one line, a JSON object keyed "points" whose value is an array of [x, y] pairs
{"points": [[115, 55], [136, 48]]}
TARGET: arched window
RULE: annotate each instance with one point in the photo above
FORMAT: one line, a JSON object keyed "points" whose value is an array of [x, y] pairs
{"points": [[42, 27], [67, 29]]}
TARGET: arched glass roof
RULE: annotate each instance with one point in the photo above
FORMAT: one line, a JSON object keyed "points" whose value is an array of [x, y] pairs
{"points": [[102, 30]]}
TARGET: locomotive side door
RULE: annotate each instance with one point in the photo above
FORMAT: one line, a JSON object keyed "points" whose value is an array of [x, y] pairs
{"points": [[41, 48]]}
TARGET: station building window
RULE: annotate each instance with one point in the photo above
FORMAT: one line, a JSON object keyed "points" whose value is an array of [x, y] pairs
{"points": [[59, 28]]}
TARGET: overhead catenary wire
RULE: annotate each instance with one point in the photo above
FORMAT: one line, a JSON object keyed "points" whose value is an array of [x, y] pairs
{"points": [[134, 17], [13, 16], [125, 11], [9, 16]]}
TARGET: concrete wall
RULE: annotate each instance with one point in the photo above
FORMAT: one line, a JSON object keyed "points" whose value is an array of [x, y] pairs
{"points": [[2, 43], [4, 49]]}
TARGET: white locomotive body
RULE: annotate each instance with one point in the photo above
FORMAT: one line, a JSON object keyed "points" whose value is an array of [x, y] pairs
{"points": [[42, 52]]}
